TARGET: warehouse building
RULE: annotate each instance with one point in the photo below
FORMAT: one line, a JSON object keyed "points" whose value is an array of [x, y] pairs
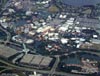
{"points": [[87, 22], [36, 60], [7, 52]]}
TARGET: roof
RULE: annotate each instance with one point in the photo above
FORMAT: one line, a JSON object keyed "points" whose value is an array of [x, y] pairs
{"points": [[7, 51], [96, 41], [74, 60], [36, 60], [86, 22], [27, 58], [20, 23], [55, 22], [46, 61]]}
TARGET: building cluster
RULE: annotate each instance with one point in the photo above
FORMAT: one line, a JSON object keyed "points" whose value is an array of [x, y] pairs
{"points": [[62, 28], [73, 30], [4, 52], [81, 64], [51, 28], [37, 61]]}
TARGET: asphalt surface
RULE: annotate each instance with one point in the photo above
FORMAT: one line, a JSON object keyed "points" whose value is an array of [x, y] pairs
{"points": [[54, 66], [40, 71]]}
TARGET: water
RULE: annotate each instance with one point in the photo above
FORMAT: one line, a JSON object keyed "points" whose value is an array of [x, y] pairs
{"points": [[80, 2]]}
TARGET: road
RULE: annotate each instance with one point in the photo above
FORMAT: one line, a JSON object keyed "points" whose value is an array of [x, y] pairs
{"points": [[16, 58], [5, 68], [54, 66], [50, 72], [7, 33], [13, 66], [39, 71]]}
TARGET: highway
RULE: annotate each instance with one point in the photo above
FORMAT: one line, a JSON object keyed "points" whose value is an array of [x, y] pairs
{"points": [[5, 68], [54, 66], [16, 58], [49, 72], [39, 71]]}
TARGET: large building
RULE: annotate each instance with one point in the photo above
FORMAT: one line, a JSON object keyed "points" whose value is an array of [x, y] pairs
{"points": [[36, 61], [80, 2], [7, 52]]}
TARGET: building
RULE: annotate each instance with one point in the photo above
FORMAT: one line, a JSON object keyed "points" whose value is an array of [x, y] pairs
{"points": [[36, 61], [87, 22], [7, 52], [73, 62], [95, 41], [81, 63]]}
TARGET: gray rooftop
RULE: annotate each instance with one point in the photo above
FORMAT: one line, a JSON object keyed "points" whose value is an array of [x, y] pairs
{"points": [[46, 61], [96, 41], [36, 60], [86, 22], [73, 61], [27, 58], [6, 51], [55, 22]]}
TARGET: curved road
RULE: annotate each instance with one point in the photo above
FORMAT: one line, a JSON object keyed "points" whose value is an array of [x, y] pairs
{"points": [[50, 72], [40, 71], [7, 33]]}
